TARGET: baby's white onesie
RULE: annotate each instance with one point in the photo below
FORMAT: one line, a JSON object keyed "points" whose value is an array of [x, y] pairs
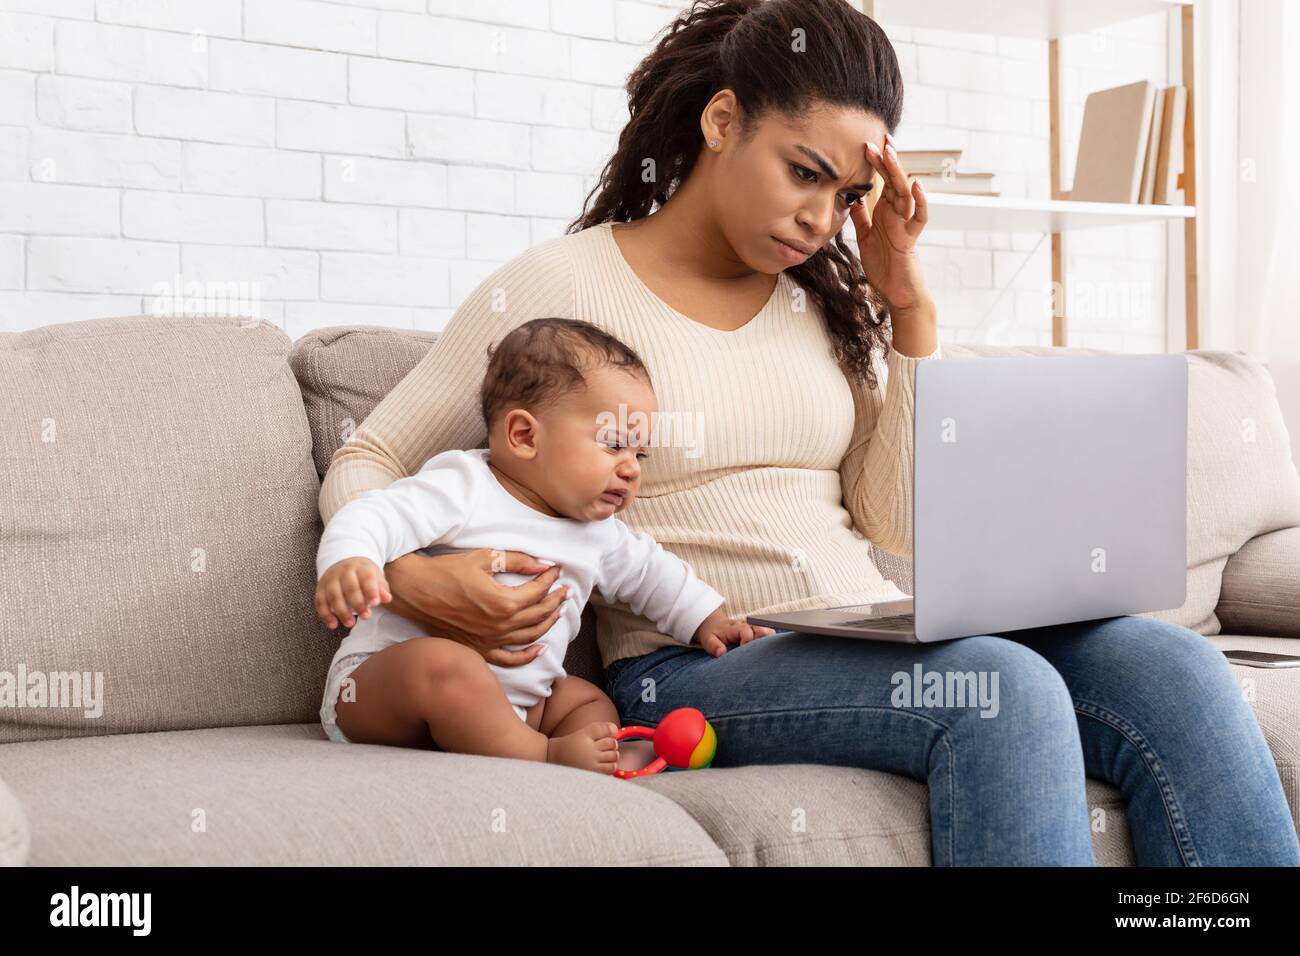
{"points": [[455, 503]]}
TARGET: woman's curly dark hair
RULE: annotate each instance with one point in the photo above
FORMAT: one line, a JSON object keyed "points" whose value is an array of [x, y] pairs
{"points": [[749, 47]]}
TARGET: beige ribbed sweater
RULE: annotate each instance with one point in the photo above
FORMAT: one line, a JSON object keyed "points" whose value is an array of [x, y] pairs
{"points": [[791, 468]]}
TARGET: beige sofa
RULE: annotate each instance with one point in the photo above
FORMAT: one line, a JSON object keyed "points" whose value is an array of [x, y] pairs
{"points": [[157, 532]]}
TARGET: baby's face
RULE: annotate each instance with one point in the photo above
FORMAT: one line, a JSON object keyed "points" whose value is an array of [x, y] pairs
{"points": [[590, 451]]}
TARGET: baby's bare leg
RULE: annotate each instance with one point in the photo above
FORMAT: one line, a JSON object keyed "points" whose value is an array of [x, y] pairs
{"points": [[573, 704], [435, 690], [581, 721]]}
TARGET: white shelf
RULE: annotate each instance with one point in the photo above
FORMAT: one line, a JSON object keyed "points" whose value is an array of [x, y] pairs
{"points": [[1035, 19], [1004, 214]]}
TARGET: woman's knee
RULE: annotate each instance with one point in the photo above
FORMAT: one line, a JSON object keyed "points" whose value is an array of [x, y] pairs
{"points": [[1165, 655], [1022, 687]]}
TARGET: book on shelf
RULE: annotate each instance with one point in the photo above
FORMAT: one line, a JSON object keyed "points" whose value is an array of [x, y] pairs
{"points": [[973, 184], [1153, 149], [1169, 162], [1113, 144], [938, 173]]}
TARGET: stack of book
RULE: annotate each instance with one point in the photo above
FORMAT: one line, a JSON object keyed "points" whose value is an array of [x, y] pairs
{"points": [[938, 173], [1131, 145]]}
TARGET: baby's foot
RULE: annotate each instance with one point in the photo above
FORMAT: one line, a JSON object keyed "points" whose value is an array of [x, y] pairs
{"points": [[591, 748]]}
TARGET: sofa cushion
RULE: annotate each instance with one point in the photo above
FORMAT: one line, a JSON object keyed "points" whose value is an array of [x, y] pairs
{"points": [[344, 372], [1261, 586], [1241, 481], [157, 528], [286, 796], [815, 815]]}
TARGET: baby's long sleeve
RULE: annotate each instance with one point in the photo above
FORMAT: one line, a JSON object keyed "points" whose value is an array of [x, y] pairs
{"points": [[639, 572], [383, 524]]}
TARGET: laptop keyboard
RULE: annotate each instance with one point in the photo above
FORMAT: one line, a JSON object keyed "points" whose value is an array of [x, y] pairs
{"points": [[903, 622]]}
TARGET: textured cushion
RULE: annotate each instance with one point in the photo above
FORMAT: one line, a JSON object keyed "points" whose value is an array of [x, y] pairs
{"points": [[286, 796], [1241, 481], [158, 525], [815, 815], [1261, 586], [15, 840], [344, 372]]}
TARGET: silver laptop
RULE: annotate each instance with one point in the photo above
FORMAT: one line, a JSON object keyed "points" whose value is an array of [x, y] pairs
{"points": [[1046, 490]]}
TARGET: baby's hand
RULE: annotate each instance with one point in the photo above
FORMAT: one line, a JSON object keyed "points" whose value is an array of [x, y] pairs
{"points": [[353, 584], [718, 630]]}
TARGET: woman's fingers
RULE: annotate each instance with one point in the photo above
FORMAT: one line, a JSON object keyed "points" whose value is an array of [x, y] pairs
{"points": [[922, 205], [897, 190], [875, 157], [887, 164], [898, 179], [516, 561], [526, 620], [530, 592], [504, 658]]}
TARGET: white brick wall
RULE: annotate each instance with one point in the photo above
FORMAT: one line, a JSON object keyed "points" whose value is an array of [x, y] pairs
{"points": [[371, 161]]}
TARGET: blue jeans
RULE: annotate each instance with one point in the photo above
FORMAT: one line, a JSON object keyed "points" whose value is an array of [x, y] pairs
{"points": [[1149, 706]]}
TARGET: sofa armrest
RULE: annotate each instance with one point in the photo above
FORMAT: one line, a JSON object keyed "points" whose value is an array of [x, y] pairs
{"points": [[15, 838], [1261, 587]]}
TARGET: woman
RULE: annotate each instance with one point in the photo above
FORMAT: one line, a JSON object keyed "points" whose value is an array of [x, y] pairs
{"points": [[786, 363]]}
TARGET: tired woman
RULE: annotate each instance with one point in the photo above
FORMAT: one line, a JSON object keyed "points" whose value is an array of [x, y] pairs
{"points": [[714, 246]]}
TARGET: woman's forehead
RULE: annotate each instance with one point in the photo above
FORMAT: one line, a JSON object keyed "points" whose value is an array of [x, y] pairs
{"points": [[835, 135]]}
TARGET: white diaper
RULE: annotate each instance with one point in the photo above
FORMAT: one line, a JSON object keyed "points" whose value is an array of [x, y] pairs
{"points": [[341, 668]]}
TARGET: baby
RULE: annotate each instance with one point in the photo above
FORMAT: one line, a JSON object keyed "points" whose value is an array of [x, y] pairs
{"points": [[555, 472]]}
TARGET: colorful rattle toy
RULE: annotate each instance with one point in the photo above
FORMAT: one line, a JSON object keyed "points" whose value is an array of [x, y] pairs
{"points": [[684, 740]]}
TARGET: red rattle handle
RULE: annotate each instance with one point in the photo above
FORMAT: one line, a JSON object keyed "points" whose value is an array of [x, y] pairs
{"points": [[639, 733]]}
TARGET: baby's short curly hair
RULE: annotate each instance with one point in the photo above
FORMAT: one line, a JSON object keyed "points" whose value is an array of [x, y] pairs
{"points": [[542, 361]]}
